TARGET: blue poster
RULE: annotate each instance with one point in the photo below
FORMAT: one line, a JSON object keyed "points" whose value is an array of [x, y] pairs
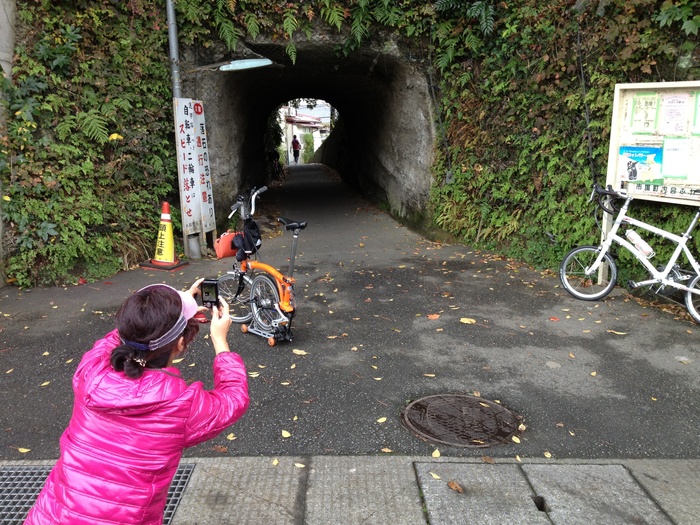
{"points": [[640, 164]]}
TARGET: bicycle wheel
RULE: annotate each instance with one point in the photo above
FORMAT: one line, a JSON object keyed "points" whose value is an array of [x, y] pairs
{"points": [[589, 286], [263, 298], [692, 300], [238, 301]]}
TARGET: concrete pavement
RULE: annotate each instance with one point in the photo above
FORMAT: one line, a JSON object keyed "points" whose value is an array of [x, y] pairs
{"points": [[406, 490]]}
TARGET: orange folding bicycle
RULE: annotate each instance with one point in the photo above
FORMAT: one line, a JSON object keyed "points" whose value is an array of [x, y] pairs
{"points": [[263, 302]]}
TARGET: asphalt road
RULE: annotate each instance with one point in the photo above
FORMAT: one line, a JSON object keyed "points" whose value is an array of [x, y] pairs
{"points": [[385, 317]]}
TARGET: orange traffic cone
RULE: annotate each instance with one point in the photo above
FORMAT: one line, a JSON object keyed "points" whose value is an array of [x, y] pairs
{"points": [[165, 245]]}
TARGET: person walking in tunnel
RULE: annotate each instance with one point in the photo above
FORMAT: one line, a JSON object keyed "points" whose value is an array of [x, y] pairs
{"points": [[133, 412], [296, 148]]}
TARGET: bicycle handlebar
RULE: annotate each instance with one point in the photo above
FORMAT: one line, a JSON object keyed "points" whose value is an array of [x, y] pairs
{"points": [[602, 193], [240, 203], [254, 197]]}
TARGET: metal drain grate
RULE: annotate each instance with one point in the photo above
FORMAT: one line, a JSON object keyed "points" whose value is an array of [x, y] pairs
{"points": [[461, 421], [20, 486]]}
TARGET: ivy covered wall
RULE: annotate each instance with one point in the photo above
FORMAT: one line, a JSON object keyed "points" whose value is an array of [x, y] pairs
{"points": [[523, 86]]}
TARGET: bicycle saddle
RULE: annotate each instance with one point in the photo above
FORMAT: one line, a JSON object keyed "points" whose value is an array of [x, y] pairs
{"points": [[289, 224]]}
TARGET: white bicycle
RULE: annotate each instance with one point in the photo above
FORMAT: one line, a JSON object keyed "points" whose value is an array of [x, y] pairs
{"points": [[590, 272]]}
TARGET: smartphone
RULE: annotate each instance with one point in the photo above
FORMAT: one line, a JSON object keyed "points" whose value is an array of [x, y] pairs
{"points": [[210, 292]]}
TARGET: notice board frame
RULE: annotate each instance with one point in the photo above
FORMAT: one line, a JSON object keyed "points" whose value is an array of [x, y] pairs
{"points": [[654, 149]]}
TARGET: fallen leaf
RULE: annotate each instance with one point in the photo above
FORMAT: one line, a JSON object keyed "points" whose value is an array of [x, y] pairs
{"points": [[515, 439], [616, 333], [433, 316], [488, 459], [429, 375], [275, 462], [455, 486], [387, 450], [381, 420], [377, 378], [45, 383], [547, 454], [178, 360], [435, 476], [45, 353], [286, 434], [436, 453], [594, 374], [518, 458], [554, 319], [477, 394], [231, 436], [467, 320], [522, 427], [253, 374], [571, 355], [23, 450], [9, 371], [299, 465], [300, 352]]}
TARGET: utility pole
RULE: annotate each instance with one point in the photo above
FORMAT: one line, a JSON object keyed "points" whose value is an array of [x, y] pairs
{"points": [[8, 9]]}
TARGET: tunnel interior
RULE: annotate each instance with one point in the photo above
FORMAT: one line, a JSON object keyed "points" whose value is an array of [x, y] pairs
{"points": [[382, 144]]}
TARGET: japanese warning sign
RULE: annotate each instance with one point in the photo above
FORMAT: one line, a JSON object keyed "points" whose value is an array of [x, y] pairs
{"points": [[196, 197]]}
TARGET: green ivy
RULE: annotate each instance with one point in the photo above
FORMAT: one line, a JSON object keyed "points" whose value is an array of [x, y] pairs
{"points": [[87, 158], [523, 92]]}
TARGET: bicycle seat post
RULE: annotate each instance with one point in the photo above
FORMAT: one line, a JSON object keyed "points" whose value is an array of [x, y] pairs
{"points": [[295, 236]]}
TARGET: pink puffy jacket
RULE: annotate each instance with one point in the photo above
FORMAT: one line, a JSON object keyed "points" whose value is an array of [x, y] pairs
{"points": [[123, 444]]}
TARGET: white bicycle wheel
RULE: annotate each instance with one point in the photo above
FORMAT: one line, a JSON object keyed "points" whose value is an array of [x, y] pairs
{"points": [[692, 300], [236, 292], [587, 285], [264, 299]]}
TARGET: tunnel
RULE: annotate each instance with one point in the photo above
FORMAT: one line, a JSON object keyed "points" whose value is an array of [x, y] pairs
{"points": [[382, 144]]}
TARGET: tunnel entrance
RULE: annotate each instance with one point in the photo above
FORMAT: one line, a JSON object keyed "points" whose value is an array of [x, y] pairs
{"points": [[382, 144]]}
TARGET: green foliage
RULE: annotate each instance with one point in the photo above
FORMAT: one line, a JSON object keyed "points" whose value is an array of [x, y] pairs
{"points": [[88, 156], [515, 121], [520, 89], [684, 11], [308, 150]]}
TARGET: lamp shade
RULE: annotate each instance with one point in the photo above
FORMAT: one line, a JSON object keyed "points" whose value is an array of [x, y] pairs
{"points": [[250, 63]]}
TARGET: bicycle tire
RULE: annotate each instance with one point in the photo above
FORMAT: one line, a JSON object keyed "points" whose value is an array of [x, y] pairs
{"points": [[692, 300], [239, 304], [263, 298], [582, 285]]}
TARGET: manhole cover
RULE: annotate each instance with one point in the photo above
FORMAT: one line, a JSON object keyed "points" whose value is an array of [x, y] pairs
{"points": [[461, 421]]}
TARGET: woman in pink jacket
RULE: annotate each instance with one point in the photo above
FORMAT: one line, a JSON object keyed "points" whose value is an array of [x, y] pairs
{"points": [[134, 414]]}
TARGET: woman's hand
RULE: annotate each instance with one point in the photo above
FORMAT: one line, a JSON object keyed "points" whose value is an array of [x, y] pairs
{"points": [[220, 324], [194, 291]]}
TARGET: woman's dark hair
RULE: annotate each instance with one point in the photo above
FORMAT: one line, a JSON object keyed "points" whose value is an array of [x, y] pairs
{"points": [[147, 315]]}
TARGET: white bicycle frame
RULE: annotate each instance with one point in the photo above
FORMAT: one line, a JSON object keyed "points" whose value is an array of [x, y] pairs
{"points": [[658, 277]]}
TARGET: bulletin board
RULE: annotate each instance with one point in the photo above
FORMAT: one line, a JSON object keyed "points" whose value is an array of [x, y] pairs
{"points": [[655, 141]]}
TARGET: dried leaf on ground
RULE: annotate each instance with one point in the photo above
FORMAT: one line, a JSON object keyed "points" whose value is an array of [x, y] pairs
{"points": [[455, 486]]}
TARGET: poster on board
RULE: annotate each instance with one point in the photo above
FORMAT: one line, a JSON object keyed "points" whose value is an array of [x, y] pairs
{"points": [[655, 141]]}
